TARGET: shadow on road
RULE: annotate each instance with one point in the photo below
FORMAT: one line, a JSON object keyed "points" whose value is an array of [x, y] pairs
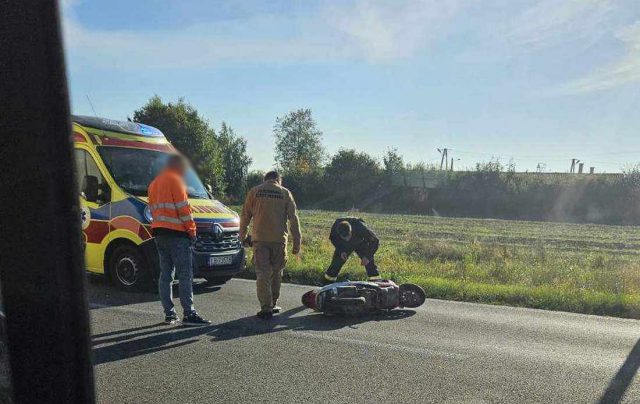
{"points": [[248, 326], [143, 340], [124, 344], [623, 378], [101, 293]]}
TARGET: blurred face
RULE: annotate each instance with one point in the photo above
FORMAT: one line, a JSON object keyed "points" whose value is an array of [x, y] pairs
{"points": [[181, 168], [179, 165]]}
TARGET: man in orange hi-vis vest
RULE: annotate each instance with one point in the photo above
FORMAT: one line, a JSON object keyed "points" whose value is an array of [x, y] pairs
{"points": [[174, 231]]}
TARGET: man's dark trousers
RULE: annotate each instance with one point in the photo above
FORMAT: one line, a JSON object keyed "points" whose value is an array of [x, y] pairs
{"points": [[337, 263]]}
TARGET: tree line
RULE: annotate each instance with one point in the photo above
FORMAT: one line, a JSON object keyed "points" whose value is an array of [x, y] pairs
{"points": [[354, 180], [221, 160], [220, 157]]}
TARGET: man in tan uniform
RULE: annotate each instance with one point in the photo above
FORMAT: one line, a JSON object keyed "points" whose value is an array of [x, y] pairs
{"points": [[270, 205]]}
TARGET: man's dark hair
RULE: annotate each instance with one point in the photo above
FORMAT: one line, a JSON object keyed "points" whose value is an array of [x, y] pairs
{"points": [[344, 229], [272, 176]]}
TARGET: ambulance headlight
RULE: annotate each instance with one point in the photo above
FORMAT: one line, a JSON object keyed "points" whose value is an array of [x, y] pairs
{"points": [[147, 214]]}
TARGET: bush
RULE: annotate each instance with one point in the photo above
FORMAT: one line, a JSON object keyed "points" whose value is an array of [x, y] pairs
{"points": [[307, 187], [254, 178]]}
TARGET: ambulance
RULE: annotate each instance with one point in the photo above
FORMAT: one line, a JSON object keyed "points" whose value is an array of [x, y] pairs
{"points": [[115, 162]]}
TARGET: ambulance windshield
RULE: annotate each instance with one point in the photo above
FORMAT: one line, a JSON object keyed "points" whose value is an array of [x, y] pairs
{"points": [[134, 169]]}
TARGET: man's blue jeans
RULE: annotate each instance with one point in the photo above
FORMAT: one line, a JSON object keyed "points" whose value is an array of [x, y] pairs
{"points": [[175, 253]]}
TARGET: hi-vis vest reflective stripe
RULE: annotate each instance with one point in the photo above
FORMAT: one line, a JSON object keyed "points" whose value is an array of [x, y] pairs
{"points": [[179, 220], [169, 205]]}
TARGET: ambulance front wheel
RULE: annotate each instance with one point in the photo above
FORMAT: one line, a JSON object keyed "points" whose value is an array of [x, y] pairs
{"points": [[128, 269]]}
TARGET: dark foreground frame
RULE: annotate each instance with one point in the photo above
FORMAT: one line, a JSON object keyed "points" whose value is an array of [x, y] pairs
{"points": [[40, 246]]}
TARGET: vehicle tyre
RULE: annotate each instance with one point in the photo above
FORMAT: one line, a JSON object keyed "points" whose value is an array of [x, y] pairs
{"points": [[411, 295], [217, 280], [128, 270]]}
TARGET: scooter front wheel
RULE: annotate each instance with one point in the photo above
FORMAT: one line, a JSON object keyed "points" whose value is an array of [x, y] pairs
{"points": [[411, 295]]}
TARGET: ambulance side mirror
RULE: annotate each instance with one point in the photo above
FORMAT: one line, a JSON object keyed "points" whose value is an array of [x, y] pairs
{"points": [[104, 196], [90, 188]]}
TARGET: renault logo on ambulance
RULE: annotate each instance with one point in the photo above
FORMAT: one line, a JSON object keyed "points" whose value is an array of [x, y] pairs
{"points": [[218, 233]]}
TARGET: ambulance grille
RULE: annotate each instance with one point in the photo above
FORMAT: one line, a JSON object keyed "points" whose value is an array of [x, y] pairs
{"points": [[206, 242]]}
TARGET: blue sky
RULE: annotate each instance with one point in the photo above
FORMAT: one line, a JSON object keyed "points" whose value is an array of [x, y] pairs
{"points": [[534, 81]]}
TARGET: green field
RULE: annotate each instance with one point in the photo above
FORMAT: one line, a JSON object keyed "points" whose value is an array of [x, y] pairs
{"points": [[556, 266]]}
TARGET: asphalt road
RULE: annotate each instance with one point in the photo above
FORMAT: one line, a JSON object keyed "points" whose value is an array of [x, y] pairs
{"points": [[443, 352]]}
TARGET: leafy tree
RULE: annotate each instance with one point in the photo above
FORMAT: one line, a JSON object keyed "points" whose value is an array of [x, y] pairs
{"points": [[254, 178], [234, 159], [298, 142], [190, 134], [421, 166], [393, 164], [354, 177], [307, 187]]}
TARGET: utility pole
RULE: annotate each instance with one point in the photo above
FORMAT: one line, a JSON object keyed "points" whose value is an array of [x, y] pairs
{"points": [[452, 159], [444, 159], [574, 161]]}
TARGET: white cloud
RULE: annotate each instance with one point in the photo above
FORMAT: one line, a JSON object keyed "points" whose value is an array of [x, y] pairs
{"points": [[386, 30], [373, 31], [193, 47], [552, 21], [624, 71], [575, 26]]}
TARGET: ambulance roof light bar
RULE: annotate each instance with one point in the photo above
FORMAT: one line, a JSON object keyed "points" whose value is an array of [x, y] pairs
{"points": [[113, 125]]}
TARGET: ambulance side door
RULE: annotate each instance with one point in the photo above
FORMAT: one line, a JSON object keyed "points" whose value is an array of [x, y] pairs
{"points": [[95, 198]]}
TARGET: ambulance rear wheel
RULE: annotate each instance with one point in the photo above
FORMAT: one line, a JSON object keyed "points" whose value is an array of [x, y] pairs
{"points": [[128, 269]]}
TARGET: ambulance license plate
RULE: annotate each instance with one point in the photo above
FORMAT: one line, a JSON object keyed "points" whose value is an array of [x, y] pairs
{"points": [[220, 260]]}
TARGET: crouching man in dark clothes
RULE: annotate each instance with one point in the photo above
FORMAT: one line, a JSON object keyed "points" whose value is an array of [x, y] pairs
{"points": [[348, 235]]}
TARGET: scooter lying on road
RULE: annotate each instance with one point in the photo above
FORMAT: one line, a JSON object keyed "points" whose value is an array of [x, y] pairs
{"points": [[358, 298]]}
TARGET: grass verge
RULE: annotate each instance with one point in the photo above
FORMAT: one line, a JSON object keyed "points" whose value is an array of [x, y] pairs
{"points": [[575, 268], [542, 297]]}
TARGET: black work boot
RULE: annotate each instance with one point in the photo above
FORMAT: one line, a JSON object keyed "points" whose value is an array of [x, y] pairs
{"points": [[324, 281], [265, 314], [194, 319]]}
